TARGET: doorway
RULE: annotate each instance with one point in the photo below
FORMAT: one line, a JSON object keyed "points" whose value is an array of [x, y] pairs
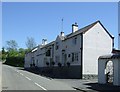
{"points": [[109, 72]]}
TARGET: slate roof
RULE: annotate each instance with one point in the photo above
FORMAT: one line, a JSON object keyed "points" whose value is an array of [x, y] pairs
{"points": [[80, 31], [110, 56], [51, 43], [85, 29]]}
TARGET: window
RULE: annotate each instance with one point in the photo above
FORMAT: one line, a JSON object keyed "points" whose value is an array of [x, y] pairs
{"points": [[75, 40], [74, 57], [68, 55], [48, 53], [57, 45]]}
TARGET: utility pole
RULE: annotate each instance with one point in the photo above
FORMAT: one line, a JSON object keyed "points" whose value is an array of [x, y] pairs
{"points": [[62, 26]]}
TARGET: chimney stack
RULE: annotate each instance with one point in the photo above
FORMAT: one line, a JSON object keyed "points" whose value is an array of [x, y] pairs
{"points": [[62, 34], [74, 27], [44, 41]]}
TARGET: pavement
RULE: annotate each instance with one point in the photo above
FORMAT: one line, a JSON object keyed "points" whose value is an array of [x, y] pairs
{"points": [[89, 85], [18, 79]]}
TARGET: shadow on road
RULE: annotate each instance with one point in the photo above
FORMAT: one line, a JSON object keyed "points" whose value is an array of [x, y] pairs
{"points": [[47, 73], [14, 65], [102, 87]]}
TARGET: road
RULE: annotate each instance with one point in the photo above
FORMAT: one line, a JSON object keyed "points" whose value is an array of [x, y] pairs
{"points": [[17, 79]]}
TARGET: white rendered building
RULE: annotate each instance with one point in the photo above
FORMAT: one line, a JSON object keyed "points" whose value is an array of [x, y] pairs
{"points": [[76, 53]]}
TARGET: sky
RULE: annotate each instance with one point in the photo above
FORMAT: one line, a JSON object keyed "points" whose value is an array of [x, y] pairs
{"points": [[43, 20]]}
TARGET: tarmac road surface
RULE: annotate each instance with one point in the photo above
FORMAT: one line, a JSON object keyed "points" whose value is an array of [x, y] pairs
{"points": [[17, 79]]}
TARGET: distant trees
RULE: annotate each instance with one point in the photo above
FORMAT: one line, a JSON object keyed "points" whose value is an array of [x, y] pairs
{"points": [[30, 43], [11, 45], [22, 52], [3, 54], [12, 55]]}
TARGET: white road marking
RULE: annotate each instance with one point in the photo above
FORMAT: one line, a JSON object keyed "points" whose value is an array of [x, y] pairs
{"points": [[21, 73], [40, 86], [28, 78]]}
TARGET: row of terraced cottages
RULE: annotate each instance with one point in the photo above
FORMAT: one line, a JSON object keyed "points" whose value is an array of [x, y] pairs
{"points": [[74, 55]]}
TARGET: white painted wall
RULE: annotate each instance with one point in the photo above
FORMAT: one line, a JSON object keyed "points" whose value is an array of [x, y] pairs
{"points": [[58, 51], [96, 42], [27, 60], [101, 71], [116, 65], [70, 48], [40, 57]]}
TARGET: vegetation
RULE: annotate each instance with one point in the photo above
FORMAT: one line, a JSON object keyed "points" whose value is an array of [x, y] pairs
{"points": [[12, 55], [30, 43], [3, 54]]}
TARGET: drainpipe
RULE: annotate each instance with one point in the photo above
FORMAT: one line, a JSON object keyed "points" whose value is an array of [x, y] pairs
{"points": [[81, 55]]}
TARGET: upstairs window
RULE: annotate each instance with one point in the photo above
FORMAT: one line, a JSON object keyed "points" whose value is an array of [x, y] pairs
{"points": [[48, 53], [75, 40]]}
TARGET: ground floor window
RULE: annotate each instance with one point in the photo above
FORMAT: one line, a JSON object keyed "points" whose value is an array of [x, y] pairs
{"points": [[74, 56]]}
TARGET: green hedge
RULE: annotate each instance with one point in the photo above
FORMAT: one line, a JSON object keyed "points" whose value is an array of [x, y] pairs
{"points": [[15, 61]]}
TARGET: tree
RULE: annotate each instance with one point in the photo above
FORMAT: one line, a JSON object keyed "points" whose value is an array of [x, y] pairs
{"points": [[4, 54], [12, 45], [3, 50], [13, 56], [30, 43], [21, 52]]}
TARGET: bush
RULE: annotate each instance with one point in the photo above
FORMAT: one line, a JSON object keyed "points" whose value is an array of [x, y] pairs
{"points": [[15, 61]]}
